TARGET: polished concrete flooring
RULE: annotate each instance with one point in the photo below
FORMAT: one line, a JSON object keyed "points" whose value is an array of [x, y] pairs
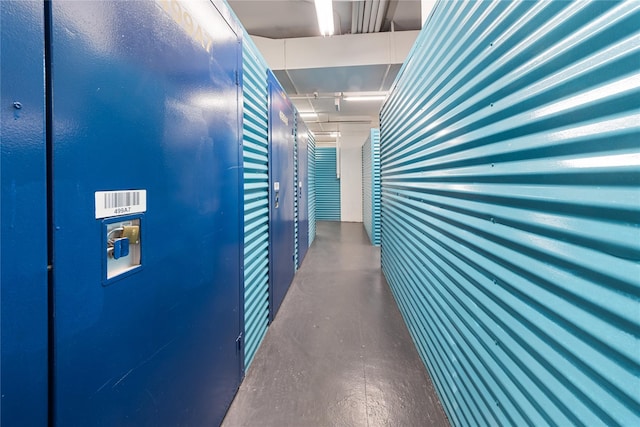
{"points": [[338, 352]]}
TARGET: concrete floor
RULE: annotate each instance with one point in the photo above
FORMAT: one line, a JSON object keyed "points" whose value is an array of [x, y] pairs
{"points": [[338, 352]]}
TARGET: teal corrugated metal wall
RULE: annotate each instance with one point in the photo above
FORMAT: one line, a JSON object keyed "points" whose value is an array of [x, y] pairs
{"points": [[371, 186], [311, 153], [375, 153], [327, 185], [511, 207], [367, 189], [256, 199], [295, 190]]}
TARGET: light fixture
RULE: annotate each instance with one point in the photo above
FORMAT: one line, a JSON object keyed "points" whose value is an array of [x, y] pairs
{"points": [[309, 115], [324, 11], [365, 98]]}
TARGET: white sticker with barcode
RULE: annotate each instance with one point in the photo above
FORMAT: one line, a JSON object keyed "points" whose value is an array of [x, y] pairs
{"points": [[123, 202]]}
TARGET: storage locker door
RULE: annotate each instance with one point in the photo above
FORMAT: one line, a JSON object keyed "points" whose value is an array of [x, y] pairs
{"points": [[375, 185], [23, 220], [145, 100], [367, 190], [312, 186], [327, 185], [282, 193], [295, 192], [303, 196]]}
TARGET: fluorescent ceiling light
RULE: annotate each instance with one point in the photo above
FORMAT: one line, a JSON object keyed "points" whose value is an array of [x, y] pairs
{"points": [[308, 115], [365, 98], [328, 133], [324, 10]]}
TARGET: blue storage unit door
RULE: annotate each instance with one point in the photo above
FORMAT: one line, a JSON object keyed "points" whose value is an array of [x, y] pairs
{"points": [[256, 198], [302, 136], [296, 190], [511, 209], [327, 185], [23, 218], [147, 209], [311, 186], [371, 186], [282, 194]]}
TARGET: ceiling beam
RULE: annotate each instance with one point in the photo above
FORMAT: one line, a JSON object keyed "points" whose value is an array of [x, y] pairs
{"points": [[337, 51]]}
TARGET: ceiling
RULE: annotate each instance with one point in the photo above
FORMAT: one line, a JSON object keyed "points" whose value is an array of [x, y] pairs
{"points": [[279, 19], [316, 87]]}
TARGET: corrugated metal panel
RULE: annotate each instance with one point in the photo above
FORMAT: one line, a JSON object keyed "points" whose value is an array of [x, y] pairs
{"points": [[296, 255], [375, 153], [371, 186], [510, 209], [256, 200], [367, 189], [302, 133], [327, 185], [312, 186]]}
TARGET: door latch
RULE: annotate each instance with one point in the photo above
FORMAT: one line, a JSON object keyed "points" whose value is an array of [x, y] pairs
{"points": [[123, 250]]}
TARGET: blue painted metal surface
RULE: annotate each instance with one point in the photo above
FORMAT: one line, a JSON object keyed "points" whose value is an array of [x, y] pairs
{"points": [[311, 186], [327, 185], [146, 96], [371, 186], [256, 198], [23, 218], [511, 206], [296, 191], [302, 135], [281, 202]]}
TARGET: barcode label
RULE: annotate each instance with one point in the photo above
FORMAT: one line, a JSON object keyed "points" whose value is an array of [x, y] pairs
{"points": [[114, 203]]}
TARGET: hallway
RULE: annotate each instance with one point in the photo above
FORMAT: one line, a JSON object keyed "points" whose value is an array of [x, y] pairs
{"points": [[338, 353]]}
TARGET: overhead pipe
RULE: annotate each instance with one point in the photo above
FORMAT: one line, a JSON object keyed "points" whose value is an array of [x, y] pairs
{"points": [[354, 17], [382, 11], [374, 13], [360, 16], [367, 16]]}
